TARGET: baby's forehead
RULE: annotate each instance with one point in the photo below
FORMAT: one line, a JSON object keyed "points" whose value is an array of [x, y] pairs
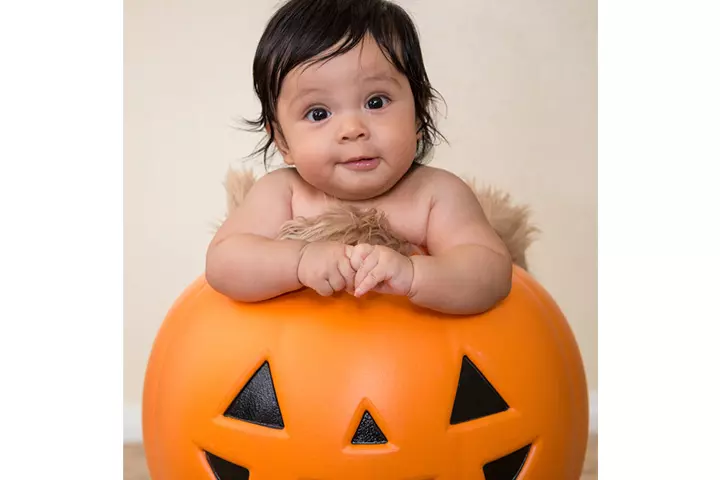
{"points": [[364, 63]]}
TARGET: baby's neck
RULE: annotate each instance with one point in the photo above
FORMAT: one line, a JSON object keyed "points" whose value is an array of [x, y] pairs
{"points": [[370, 202]]}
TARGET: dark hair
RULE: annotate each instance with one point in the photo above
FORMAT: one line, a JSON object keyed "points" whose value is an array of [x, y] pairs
{"points": [[303, 29]]}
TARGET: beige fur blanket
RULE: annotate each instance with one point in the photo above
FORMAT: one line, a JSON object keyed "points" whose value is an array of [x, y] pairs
{"points": [[352, 226]]}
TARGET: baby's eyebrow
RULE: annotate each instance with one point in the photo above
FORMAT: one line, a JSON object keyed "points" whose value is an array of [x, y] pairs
{"points": [[381, 77], [304, 92], [307, 91]]}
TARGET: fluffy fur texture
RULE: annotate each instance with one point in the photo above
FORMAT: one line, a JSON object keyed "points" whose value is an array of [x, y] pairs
{"points": [[353, 226], [350, 226]]}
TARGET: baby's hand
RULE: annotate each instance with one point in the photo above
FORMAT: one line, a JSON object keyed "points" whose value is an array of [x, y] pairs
{"points": [[325, 267], [381, 269]]}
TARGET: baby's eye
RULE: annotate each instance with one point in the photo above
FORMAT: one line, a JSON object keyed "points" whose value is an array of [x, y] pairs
{"points": [[378, 101], [317, 115]]}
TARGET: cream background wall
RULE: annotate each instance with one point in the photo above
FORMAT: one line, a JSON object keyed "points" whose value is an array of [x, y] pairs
{"points": [[519, 79]]}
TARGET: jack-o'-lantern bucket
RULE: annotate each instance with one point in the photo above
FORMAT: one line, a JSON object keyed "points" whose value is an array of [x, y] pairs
{"points": [[303, 387]]}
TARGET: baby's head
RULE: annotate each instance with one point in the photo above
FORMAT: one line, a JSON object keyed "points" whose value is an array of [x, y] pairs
{"points": [[344, 93]]}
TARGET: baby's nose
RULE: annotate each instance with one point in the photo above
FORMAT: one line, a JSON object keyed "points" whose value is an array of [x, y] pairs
{"points": [[352, 128]]}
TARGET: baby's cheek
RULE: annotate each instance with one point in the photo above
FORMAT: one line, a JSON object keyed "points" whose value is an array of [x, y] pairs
{"points": [[395, 137], [312, 148], [404, 143]]}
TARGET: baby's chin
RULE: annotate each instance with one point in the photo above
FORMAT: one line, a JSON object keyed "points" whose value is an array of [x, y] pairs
{"points": [[355, 192]]}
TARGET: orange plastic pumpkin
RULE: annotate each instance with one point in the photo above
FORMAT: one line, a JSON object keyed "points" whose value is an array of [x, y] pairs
{"points": [[312, 388]]}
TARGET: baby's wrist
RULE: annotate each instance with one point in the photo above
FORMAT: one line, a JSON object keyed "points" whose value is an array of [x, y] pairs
{"points": [[413, 277], [301, 252]]}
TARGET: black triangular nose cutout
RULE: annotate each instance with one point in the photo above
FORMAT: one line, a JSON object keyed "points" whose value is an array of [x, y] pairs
{"points": [[368, 433], [257, 401], [475, 397], [507, 467], [225, 470]]}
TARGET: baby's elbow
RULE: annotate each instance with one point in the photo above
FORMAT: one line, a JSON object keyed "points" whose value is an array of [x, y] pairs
{"points": [[223, 275], [504, 278], [218, 274], [505, 288], [215, 276]]}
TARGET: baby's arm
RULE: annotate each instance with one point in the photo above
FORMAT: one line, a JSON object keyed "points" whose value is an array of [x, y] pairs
{"points": [[469, 269], [244, 261]]}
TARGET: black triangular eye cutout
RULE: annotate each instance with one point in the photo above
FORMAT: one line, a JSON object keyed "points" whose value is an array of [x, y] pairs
{"points": [[257, 401], [475, 397], [368, 432], [507, 467], [225, 470]]}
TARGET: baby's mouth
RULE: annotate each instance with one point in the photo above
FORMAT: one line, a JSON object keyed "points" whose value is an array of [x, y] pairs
{"points": [[361, 163], [359, 158]]}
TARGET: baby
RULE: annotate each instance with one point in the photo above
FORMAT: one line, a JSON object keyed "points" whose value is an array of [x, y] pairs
{"points": [[347, 103]]}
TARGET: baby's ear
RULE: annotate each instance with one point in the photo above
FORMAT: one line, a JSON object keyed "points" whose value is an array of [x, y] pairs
{"points": [[280, 143]]}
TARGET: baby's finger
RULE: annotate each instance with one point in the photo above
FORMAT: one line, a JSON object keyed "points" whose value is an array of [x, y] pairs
{"points": [[348, 273], [360, 254], [336, 281], [373, 277], [323, 288], [365, 267]]}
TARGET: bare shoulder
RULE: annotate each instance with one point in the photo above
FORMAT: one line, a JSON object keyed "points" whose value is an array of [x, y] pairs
{"points": [[456, 216], [440, 184], [280, 179], [428, 175], [265, 208], [280, 185]]}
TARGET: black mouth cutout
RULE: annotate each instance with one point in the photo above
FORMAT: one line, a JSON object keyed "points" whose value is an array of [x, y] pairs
{"points": [[507, 467], [504, 468], [225, 470]]}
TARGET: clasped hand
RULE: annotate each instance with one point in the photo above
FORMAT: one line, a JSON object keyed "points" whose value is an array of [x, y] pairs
{"points": [[329, 267]]}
